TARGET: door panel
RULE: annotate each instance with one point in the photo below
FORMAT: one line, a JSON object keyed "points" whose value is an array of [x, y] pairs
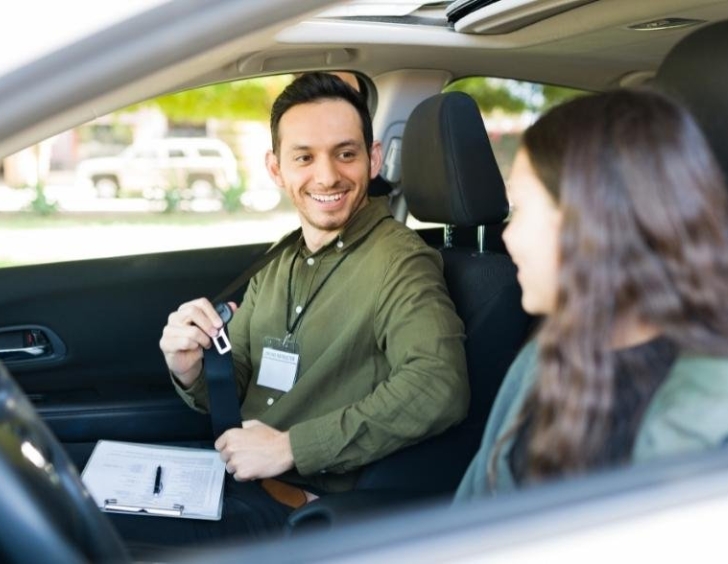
{"points": [[112, 382]]}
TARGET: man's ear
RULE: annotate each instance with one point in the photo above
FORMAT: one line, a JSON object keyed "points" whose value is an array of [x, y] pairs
{"points": [[273, 168], [375, 159]]}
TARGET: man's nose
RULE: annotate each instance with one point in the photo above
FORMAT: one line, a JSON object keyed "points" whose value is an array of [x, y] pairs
{"points": [[327, 173]]}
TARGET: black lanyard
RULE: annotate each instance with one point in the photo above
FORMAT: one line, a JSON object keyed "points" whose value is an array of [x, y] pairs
{"points": [[291, 326]]}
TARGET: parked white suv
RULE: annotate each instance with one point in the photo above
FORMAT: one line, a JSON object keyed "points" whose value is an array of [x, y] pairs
{"points": [[200, 164]]}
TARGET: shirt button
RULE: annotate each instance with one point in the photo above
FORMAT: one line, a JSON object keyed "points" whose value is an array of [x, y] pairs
{"points": [[340, 244], [299, 309], [270, 401], [310, 261]]}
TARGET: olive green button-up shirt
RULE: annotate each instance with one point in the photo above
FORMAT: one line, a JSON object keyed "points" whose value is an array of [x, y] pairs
{"points": [[382, 362]]}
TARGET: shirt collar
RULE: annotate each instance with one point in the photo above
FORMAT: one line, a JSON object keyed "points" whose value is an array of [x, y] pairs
{"points": [[358, 227], [361, 224]]}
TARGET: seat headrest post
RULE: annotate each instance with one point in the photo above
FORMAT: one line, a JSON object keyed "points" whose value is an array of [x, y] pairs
{"points": [[449, 171], [447, 236], [481, 239]]}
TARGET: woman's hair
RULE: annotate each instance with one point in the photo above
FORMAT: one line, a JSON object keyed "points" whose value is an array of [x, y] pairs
{"points": [[643, 238]]}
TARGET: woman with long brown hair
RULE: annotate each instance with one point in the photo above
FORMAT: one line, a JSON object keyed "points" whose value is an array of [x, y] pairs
{"points": [[620, 235]]}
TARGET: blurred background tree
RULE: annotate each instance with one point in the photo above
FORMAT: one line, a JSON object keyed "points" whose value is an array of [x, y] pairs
{"points": [[240, 100], [511, 96], [252, 99]]}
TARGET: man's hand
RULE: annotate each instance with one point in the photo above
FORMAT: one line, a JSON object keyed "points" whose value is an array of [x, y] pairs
{"points": [[189, 330], [255, 451]]}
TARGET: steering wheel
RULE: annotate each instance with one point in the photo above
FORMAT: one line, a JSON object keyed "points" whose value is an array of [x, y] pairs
{"points": [[47, 513]]}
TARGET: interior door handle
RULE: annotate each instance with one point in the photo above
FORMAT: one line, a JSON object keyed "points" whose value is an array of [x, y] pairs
{"points": [[25, 352], [21, 344]]}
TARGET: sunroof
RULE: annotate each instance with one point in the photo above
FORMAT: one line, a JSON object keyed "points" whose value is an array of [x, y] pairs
{"points": [[485, 17], [400, 12], [461, 8], [504, 16], [383, 8]]}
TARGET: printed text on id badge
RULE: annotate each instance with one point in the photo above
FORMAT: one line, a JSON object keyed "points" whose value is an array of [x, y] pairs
{"points": [[279, 364]]}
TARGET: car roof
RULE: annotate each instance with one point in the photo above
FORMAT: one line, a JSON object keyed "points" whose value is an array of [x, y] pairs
{"points": [[592, 45]]}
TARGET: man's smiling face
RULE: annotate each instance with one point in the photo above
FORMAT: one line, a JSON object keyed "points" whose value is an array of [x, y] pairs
{"points": [[323, 166]]}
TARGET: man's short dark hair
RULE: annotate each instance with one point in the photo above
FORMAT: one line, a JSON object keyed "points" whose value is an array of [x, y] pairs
{"points": [[313, 87]]}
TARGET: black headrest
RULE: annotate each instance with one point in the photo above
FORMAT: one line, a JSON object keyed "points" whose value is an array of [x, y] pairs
{"points": [[449, 172], [695, 72]]}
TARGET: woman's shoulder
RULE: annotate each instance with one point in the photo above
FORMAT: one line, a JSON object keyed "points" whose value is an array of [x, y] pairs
{"points": [[689, 411], [694, 376], [702, 361]]}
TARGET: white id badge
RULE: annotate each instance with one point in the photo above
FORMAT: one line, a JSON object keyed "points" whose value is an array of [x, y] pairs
{"points": [[279, 364]]}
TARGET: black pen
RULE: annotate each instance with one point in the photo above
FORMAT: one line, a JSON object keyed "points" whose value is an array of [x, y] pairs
{"points": [[158, 481]]}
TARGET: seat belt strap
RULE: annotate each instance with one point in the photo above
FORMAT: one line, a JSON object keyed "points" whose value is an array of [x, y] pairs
{"points": [[224, 404], [257, 265], [225, 412]]}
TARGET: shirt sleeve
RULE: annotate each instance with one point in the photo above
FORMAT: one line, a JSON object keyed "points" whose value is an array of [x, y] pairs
{"points": [[196, 396], [688, 412], [427, 390]]}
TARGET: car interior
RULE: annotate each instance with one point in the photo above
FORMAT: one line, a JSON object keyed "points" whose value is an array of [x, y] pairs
{"points": [[91, 327]]}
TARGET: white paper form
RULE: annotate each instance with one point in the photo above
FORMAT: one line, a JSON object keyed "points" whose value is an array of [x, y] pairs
{"points": [[120, 476]]}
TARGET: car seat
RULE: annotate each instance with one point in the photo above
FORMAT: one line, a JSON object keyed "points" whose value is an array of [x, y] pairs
{"points": [[449, 176]]}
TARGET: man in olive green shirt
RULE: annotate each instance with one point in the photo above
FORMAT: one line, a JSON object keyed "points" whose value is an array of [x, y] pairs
{"points": [[380, 359], [359, 300]]}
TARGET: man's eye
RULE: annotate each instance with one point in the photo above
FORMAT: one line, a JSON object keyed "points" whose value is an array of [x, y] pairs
{"points": [[302, 158], [347, 155]]}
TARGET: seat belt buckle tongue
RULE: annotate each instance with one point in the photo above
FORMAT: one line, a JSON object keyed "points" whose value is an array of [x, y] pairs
{"points": [[222, 343]]}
